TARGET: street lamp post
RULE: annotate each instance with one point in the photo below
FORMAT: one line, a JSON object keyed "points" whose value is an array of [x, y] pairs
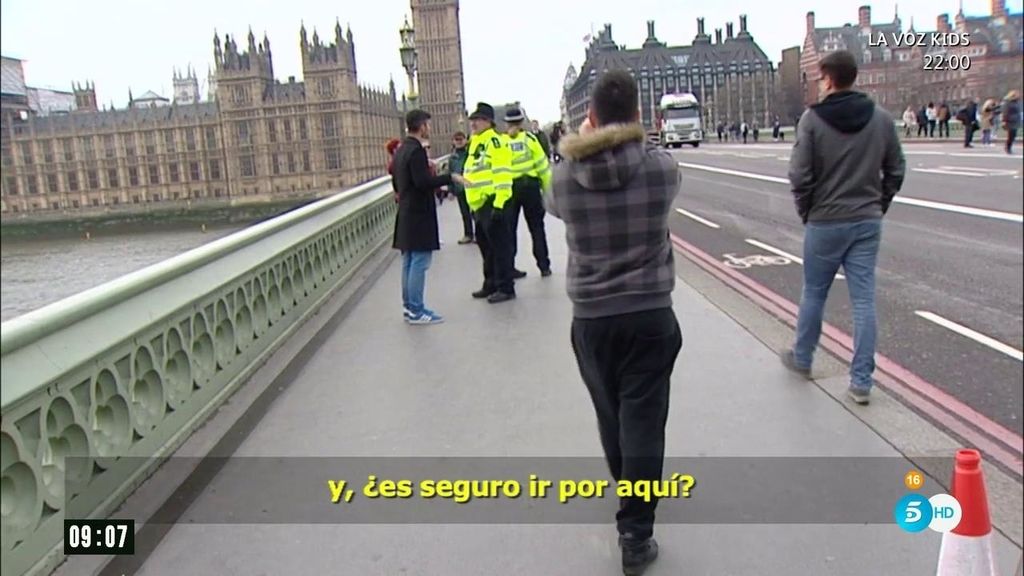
{"points": [[408, 53]]}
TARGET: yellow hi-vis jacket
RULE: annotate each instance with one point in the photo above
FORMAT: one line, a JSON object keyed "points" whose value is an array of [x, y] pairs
{"points": [[528, 158], [488, 169]]}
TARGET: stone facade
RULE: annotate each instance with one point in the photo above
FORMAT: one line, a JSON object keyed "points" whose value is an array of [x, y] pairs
{"points": [[732, 77], [260, 140], [895, 76], [439, 54]]}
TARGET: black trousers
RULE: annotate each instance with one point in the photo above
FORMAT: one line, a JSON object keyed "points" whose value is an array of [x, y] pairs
{"points": [[526, 198], [626, 362], [467, 215], [968, 133], [494, 237], [1011, 135]]}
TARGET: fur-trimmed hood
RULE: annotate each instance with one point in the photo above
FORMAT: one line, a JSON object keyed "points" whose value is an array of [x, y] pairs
{"points": [[606, 158]]}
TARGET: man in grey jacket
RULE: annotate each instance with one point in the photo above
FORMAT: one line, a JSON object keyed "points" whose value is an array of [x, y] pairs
{"points": [[845, 169], [614, 193]]}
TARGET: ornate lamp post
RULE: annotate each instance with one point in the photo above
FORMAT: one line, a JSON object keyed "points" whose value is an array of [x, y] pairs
{"points": [[408, 53]]}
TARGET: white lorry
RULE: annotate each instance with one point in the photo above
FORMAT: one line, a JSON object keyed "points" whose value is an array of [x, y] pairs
{"points": [[680, 120]]}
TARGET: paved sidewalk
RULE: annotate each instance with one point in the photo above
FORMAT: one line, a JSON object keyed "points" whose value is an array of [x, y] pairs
{"points": [[378, 387]]}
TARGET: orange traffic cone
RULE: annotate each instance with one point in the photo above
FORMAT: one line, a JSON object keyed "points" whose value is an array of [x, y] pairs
{"points": [[967, 549]]}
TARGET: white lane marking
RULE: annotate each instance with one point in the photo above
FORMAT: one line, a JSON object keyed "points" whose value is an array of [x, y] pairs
{"points": [[993, 214], [972, 334], [782, 253], [967, 171], [750, 175], [984, 155], [703, 221], [948, 172]]}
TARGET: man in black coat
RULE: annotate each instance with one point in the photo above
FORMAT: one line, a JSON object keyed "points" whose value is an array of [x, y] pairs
{"points": [[416, 232]]}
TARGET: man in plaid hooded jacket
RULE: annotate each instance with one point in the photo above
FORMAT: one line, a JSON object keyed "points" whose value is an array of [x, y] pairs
{"points": [[615, 192]]}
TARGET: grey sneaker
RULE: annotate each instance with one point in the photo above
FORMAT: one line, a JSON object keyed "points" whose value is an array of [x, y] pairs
{"points": [[789, 361], [859, 395]]}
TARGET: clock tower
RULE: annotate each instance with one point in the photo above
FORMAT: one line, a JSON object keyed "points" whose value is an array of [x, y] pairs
{"points": [[442, 90]]}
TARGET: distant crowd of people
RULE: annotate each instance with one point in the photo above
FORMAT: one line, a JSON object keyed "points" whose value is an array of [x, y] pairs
{"points": [[987, 118]]}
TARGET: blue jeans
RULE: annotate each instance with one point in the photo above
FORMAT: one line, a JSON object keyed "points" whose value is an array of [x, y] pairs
{"points": [[414, 277], [827, 246]]}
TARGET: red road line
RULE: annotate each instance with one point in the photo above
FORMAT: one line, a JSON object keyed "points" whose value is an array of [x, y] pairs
{"points": [[945, 409]]}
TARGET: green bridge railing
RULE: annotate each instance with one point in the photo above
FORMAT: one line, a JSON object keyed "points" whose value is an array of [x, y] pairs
{"points": [[129, 369]]}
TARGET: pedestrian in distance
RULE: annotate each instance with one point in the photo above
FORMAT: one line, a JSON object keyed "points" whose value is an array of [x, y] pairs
{"points": [[614, 191], [392, 146], [922, 122], [542, 138], [456, 165], [488, 170], [987, 116], [932, 115], [531, 176], [942, 116], [845, 168], [968, 116], [1011, 118], [556, 136], [416, 234], [909, 119]]}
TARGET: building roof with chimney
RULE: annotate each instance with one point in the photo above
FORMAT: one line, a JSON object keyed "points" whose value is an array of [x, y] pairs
{"points": [[735, 53]]}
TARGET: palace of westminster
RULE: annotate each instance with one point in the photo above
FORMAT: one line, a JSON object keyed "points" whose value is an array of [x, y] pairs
{"points": [[254, 139]]}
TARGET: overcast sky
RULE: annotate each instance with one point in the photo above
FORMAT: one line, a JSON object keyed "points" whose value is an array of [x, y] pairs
{"points": [[518, 53]]}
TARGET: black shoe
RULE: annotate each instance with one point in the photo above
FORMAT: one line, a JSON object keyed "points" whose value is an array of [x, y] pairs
{"points": [[499, 297], [637, 556], [545, 272], [789, 361], [466, 240], [517, 274], [483, 293]]}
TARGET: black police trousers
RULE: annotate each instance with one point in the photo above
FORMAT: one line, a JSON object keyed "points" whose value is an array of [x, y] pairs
{"points": [[494, 237], [526, 198]]}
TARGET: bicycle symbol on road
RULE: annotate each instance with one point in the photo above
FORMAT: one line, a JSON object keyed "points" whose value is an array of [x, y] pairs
{"points": [[732, 261]]}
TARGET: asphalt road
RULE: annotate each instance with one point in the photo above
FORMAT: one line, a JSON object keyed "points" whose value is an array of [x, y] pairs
{"points": [[937, 265]]}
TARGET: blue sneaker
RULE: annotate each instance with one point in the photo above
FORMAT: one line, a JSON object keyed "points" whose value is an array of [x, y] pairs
{"points": [[426, 317], [407, 314]]}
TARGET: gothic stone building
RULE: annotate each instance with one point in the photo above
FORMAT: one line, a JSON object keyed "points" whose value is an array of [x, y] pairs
{"points": [[259, 140], [732, 77], [439, 59], [895, 75]]}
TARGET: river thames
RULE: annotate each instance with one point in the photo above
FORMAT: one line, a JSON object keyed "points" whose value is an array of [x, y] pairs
{"points": [[39, 271]]}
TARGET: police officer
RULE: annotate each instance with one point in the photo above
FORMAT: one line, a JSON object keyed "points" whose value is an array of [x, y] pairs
{"points": [[489, 194], [531, 175]]}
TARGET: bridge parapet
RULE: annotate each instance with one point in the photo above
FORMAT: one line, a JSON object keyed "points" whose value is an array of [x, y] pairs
{"points": [[123, 373]]}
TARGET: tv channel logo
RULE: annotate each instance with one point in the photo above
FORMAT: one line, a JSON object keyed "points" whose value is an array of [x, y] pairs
{"points": [[914, 513]]}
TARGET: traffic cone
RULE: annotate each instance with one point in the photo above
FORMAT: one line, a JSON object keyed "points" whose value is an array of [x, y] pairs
{"points": [[967, 549]]}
